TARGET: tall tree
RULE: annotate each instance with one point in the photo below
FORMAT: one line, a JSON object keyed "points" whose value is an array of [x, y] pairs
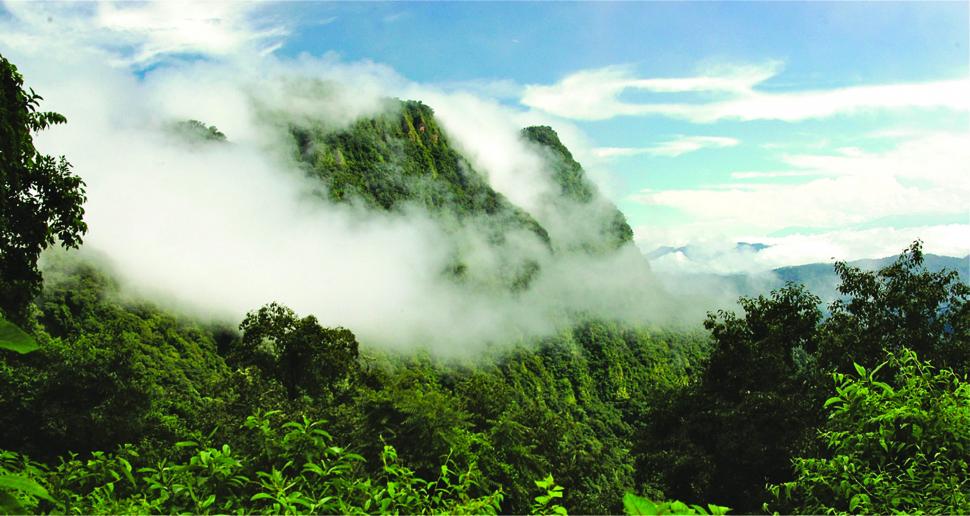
{"points": [[40, 199], [304, 356]]}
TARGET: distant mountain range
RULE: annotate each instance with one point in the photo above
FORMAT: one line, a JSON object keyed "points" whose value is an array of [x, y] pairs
{"points": [[691, 251], [820, 278]]}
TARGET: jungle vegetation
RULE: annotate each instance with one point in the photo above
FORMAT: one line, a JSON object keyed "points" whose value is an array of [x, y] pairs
{"points": [[114, 405]]}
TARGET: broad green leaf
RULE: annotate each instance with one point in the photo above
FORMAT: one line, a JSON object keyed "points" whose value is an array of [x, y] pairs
{"points": [[678, 507], [24, 485], [635, 505], [15, 339], [545, 483]]}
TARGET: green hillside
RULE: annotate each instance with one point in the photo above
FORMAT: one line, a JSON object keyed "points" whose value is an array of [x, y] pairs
{"points": [[112, 404], [402, 159], [595, 223]]}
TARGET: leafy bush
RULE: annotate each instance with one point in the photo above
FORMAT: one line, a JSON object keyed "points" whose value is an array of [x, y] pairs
{"points": [[294, 469], [545, 503], [634, 505], [901, 446]]}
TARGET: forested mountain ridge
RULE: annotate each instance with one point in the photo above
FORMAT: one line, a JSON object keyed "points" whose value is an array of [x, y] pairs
{"points": [[579, 197], [402, 158], [112, 404], [110, 372]]}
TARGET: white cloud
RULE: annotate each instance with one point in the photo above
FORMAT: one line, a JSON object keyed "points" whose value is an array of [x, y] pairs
{"points": [[770, 174], [719, 255], [669, 148], [926, 175], [141, 33], [219, 230], [595, 95]]}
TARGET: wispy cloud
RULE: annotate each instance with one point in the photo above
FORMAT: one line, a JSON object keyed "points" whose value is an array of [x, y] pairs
{"points": [[141, 33], [771, 174], [925, 175], [394, 17], [670, 148], [595, 95], [489, 88]]}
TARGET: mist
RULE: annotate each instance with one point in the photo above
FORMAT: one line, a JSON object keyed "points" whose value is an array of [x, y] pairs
{"points": [[217, 230]]}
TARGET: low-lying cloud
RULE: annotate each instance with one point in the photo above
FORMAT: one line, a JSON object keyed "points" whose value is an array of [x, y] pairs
{"points": [[221, 229]]}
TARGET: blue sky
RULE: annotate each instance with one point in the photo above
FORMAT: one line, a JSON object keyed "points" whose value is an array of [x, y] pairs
{"points": [[821, 128], [823, 43], [813, 46]]}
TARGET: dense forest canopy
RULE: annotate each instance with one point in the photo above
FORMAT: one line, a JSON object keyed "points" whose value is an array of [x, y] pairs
{"points": [[114, 403]]}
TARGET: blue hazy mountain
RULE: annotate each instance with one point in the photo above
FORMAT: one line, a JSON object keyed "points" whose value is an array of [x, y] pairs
{"points": [[820, 278], [691, 251]]}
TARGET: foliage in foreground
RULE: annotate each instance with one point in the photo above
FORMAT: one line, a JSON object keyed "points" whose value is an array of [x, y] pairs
{"points": [[573, 406], [608, 408], [769, 373], [12, 338], [902, 449], [289, 468], [638, 505]]}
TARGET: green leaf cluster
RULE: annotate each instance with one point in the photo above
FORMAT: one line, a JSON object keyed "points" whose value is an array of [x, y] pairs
{"points": [[767, 378], [901, 449], [290, 468], [634, 505]]}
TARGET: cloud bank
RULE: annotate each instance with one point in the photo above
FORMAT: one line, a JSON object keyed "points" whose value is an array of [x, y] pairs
{"points": [[222, 229], [922, 176], [143, 33]]}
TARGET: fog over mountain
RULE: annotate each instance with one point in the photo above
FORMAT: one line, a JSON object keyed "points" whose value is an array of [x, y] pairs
{"points": [[411, 224]]}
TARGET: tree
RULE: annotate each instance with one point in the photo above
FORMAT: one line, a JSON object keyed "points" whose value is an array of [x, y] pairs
{"points": [[304, 356], [902, 304], [195, 131], [40, 199], [756, 390], [900, 448], [768, 373]]}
